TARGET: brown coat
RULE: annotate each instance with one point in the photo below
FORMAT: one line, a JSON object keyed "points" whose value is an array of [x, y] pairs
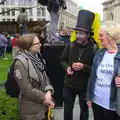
{"points": [[31, 97]]}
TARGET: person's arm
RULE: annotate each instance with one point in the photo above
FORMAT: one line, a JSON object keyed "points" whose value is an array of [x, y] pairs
{"points": [[5, 40], [18, 19], [26, 17], [91, 81], [25, 85]]}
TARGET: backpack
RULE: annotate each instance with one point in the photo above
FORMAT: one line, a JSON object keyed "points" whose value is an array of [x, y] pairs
{"points": [[11, 86], [43, 2]]}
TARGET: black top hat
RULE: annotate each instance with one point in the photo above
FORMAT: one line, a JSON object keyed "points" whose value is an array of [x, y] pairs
{"points": [[85, 20]]}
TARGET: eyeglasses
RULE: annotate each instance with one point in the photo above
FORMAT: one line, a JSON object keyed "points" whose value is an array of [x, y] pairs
{"points": [[36, 43]]}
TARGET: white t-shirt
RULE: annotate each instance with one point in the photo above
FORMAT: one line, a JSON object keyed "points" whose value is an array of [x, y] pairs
{"points": [[105, 73]]}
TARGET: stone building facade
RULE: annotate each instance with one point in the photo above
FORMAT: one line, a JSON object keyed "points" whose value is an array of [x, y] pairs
{"points": [[111, 10], [38, 12]]}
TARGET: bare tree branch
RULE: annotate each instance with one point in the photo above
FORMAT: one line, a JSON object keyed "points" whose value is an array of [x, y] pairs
{"points": [[15, 9]]}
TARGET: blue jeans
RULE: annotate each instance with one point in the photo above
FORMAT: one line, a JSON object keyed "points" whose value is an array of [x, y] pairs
{"points": [[69, 96], [2, 51]]}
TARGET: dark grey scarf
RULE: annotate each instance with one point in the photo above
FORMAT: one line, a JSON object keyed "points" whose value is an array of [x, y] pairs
{"points": [[37, 60], [39, 64]]}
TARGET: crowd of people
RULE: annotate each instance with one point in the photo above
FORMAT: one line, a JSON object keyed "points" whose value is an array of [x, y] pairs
{"points": [[90, 73], [8, 41]]}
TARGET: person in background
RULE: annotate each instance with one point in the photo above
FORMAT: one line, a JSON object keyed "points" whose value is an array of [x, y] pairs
{"points": [[76, 61], [9, 43], [22, 20], [39, 31], [3, 45], [54, 10], [35, 89], [14, 46], [65, 36], [103, 81]]}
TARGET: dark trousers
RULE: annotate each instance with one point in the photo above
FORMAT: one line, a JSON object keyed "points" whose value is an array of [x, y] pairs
{"points": [[101, 113], [23, 29], [69, 96], [2, 51]]}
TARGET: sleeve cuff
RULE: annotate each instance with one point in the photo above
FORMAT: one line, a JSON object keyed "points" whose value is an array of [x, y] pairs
{"points": [[49, 87]]}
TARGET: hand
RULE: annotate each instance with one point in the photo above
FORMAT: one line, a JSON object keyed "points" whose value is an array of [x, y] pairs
{"points": [[77, 66], [117, 81], [69, 71], [51, 105], [48, 98], [89, 103]]}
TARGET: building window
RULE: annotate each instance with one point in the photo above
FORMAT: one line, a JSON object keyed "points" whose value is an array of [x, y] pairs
{"points": [[30, 19], [3, 20], [8, 19], [38, 19], [13, 13], [2, 2], [43, 19], [38, 12], [8, 13], [12, 2], [30, 2], [21, 2], [30, 12], [111, 16], [3, 10], [43, 11], [13, 20]]}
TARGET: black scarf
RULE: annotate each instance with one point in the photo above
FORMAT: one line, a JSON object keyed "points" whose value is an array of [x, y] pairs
{"points": [[37, 60]]}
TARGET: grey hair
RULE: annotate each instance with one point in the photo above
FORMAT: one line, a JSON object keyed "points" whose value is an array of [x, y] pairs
{"points": [[112, 29]]}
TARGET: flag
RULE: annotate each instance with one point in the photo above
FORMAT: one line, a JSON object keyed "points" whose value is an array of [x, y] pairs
{"points": [[96, 26]]}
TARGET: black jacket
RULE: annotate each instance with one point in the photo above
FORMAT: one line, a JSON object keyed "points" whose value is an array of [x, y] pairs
{"points": [[55, 5], [76, 53]]}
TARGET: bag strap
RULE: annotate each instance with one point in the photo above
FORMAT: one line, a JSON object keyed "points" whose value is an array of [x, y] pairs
{"points": [[23, 60]]}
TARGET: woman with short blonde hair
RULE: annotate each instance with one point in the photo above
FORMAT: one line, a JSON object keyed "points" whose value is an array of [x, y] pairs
{"points": [[112, 29], [103, 81]]}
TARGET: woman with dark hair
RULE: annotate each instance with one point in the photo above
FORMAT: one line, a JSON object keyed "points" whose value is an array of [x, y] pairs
{"points": [[39, 32]]}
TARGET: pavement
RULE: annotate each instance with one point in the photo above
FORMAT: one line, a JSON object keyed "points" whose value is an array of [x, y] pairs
{"points": [[58, 112]]}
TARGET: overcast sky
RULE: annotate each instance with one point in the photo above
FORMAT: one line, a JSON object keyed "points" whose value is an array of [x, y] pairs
{"points": [[93, 5]]}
